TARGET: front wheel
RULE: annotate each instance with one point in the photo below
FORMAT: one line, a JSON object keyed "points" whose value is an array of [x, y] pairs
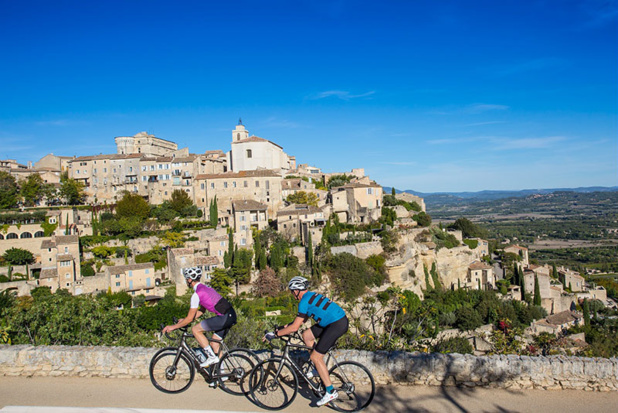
{"points": [[235, 368], [171, 371], [273, 384], [355, 386]]}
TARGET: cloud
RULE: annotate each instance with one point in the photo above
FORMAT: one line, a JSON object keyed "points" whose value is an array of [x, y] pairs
{"points": [[60, 122], [473, 109], [481, 108], [340, 94], [526, 143]]}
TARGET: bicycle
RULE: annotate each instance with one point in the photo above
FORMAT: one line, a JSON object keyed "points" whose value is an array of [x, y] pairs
{"points": [[273, 383], [172, 369]]}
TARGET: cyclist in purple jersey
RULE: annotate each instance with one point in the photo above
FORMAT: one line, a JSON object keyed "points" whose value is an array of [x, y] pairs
{"points": [[209, 299]]}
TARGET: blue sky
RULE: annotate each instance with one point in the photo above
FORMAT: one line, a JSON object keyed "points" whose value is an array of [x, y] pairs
{"points": [[425, 95]]}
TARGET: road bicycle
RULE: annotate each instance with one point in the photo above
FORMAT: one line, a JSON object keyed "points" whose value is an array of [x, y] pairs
{"points": [[172, 369], [273, 383]]}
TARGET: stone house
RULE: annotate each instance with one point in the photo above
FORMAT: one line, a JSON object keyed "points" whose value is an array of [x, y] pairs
{"points": [[295, 185], [521, 251], [60, 262], [249, 153], [480, 276], [557, 323], [571, 279], [143, 143], [296, 220], [135, 279], [261, 185], [357, 202]]}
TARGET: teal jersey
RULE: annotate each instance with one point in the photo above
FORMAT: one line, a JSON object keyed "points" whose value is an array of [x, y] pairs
{"points": [[323, 310]]}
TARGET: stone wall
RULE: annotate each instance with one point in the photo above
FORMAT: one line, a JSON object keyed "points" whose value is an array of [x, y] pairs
{"points": [[514, 372]]}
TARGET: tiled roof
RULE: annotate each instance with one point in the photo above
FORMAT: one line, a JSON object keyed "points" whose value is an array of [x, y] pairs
{"points": [[206, 260], [113, 156], [479, 266], [298, 209], [49, 273], [563, 317], [64, 257], [47, 243], [248, 205], [119, 269], [67, 239], [256, 139]]}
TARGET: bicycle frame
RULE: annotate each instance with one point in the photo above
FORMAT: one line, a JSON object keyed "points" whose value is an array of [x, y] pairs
{"points": [[298, 369], [183, 347]]}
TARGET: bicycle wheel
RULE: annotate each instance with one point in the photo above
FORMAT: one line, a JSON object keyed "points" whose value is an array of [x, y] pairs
{"points": [[355, 386], [273, 384], [239, 366], [171, 372], [247, 353]]}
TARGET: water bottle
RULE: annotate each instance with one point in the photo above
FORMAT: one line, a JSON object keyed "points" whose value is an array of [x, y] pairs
{"points": [[200, 355], [311, 372]]}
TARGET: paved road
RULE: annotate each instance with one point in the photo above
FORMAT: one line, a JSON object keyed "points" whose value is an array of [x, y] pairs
{"points": [[137, 395]]}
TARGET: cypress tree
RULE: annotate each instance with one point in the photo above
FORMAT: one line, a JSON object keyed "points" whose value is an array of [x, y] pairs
{"points": [[554, 271], [66, 226], [309, 251], [537, 291], [586, 312]]}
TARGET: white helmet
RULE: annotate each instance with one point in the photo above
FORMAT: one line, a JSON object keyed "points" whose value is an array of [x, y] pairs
{"points": [[192, 273], [298, 283]]}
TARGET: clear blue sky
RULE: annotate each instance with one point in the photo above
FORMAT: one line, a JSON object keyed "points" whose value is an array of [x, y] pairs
{"points": [[425, 95]]}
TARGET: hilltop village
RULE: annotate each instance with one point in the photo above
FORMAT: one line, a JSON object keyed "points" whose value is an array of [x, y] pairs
{"points": [[232, 196]]}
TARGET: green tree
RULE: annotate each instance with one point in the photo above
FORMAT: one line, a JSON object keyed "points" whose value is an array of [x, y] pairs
{"points": [[435, 277], [537, 291], [228, 257], [132, 206], [468, 228], [71, 190], [393, 192], [302, 197], [8, 190], [214, 213], [180, 201], [423, 219], [18, 256], [241, 267], [468, 319], [33, 189], [309, 252], [221, 281], [586, 311]]}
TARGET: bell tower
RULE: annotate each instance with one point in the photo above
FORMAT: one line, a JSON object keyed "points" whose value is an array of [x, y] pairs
{"points": [[240, 132]]}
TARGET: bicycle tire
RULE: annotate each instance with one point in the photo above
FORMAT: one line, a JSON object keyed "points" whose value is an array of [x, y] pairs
{"points": [[355, 385], [269, 390], [246, 352], [168, 376], [241, 366]]}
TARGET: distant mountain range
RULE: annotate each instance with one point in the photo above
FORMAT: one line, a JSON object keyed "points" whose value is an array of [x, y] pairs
{"points": [[443, 198]]}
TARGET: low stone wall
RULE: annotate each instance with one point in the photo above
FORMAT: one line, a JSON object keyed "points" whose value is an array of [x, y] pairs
{"points": [[517, 372]]}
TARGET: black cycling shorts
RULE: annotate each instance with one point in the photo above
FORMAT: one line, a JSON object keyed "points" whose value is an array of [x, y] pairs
{"points": [[220, 324], [329, 335]]}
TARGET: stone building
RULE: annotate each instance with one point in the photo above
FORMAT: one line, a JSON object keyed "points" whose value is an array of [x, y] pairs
{"points": [[357, 202], [60, 262], [250, 153], [480, 276], [143, 143], [295, 220], [135, 279]]}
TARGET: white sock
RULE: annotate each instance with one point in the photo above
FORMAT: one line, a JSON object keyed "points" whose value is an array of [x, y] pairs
{"points": [[209, 352]]}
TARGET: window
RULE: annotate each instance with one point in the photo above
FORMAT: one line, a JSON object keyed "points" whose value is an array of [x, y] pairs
{"points": [[243, 241], [202, 186], [267, 185], [249, 154], [225, 184], [234, 184], [243, 227], [222, 243], [117, 284], [66, 249], [104, 170], [246, 184], [148, 282], [94, 170], [257, 184], [117, 275], [67, 276], [369, 191], [242, 218], [130, 273], [212, 185]]}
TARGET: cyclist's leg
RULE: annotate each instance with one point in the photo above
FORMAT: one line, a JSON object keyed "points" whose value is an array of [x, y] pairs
{"points": [[221, 328], [327, 339]]}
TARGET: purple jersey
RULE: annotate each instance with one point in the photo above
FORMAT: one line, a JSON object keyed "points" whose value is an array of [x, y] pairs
{"points": [[206, 297]]}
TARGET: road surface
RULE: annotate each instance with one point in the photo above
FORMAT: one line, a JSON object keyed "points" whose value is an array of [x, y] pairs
{"points": [[129, 395]]}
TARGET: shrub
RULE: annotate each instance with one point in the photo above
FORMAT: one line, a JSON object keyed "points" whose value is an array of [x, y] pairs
{"points": [[454, 345]]}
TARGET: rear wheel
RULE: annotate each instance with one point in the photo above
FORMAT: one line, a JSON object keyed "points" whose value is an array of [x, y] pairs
{"points": [[273, 384], [355, 386], [171, 371]]}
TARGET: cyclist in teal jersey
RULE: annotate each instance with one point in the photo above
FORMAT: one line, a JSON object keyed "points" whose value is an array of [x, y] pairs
{"points": [[330, 324]]}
